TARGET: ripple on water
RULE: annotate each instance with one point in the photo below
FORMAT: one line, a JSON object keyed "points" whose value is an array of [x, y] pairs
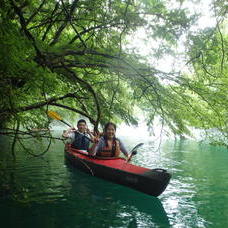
{"points": [[47, 193]]}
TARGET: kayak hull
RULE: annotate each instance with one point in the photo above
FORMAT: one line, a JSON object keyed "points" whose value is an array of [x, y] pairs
{"points": [[150, 181]]}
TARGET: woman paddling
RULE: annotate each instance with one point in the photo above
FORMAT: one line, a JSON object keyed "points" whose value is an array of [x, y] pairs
{"points": [[109, 145]]}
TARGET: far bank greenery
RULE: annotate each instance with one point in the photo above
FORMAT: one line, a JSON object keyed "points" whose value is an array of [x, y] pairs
{"points": [[71, 57]]}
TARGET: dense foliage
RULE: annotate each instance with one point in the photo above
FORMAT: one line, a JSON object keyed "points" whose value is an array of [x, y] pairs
{"points": [[75, 57]]}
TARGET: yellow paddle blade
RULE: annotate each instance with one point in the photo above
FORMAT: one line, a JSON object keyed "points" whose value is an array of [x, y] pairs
{"points": [[54, 115]]}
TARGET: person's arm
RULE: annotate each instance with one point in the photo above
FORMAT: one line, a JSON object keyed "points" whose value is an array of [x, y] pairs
{"points": [[98, 145], [123, 149], [68, 133], [92, 137]]}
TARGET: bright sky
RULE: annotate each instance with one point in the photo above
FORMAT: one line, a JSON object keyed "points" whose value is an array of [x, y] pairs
{"points": [[176, 63], [168, 63]]}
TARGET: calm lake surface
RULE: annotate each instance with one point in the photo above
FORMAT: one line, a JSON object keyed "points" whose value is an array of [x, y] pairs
{"points": [[47, 192]]}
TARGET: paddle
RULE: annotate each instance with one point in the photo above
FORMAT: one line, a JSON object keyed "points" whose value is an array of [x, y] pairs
{"points": [[134, 151], [56, 116]]}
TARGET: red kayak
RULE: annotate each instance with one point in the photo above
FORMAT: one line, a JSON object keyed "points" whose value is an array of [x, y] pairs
{"points": [[149, 181]]}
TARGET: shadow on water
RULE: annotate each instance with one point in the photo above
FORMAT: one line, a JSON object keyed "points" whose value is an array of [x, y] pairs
{"points": [[87, 202], [121, 200], [51, 194], [45, 192]]}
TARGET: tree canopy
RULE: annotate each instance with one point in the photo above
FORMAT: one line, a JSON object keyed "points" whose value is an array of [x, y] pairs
{"points": [[76, 56]]}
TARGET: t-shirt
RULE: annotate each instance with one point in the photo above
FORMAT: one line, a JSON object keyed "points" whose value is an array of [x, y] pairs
{"points": [[101, 144], [71, 136]]}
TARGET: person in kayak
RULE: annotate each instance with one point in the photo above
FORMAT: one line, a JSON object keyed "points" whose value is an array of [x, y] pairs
{"points": [[80, 138], [108, 145]]}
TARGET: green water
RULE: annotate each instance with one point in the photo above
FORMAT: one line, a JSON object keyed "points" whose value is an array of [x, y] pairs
{"points": [[47, 192]]}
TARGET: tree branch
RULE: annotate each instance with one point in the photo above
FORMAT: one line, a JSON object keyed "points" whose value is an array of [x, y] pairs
{"points": [[37, 105], [223, 49], [51, 23], [35, 13], [75, 110], [63, 26], [24, 28], [90, 89], [74, 28]]}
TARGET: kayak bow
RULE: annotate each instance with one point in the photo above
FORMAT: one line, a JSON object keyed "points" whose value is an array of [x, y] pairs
{"points": [[150, 181]]}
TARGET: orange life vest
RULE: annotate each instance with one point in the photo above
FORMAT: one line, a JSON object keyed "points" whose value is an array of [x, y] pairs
{"points": [[110, 150]]}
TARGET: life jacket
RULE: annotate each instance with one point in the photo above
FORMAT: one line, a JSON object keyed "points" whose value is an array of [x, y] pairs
{"points": [[107, 151], [81, 142]]}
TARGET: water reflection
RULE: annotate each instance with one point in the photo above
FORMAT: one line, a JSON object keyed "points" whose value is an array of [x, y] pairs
{"points": [[130, 206], [48, 193], [45, 192]]}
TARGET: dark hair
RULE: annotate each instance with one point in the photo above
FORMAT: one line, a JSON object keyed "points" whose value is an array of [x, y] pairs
{"points": [[81, 121], [114, 139], [108, 124]]}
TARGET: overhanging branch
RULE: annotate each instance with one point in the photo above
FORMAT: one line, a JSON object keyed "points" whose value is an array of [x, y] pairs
{"points": [[37, 105], [75, 110]]}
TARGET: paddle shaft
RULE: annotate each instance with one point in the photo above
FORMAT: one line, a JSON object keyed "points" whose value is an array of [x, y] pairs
{"points": [[78, 131], [65, 123], [56, 116], [129, 159], [85, 136], [134, 151]]}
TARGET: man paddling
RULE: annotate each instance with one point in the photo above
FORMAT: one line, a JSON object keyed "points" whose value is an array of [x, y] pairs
{"points": [[81, 137]]}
